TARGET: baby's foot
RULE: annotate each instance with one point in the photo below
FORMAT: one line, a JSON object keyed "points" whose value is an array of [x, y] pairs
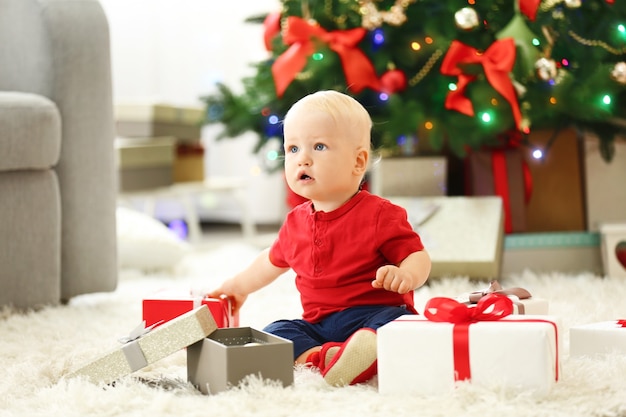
{"points": [[354, 361]]}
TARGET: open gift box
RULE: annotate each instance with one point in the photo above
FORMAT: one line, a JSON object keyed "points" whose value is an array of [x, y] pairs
{"points": [[598, 338], [421, 356], [146, 345], [217, 359], [226, 356]]}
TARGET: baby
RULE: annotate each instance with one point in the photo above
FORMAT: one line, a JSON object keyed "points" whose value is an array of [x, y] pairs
{"points": [[357, 259]]}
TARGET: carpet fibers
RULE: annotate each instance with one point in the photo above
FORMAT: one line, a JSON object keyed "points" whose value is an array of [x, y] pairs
{"points": [[39, 348]]}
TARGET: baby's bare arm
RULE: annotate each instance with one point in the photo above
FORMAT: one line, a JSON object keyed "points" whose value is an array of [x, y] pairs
{"points": [[255, 276], [410, 274]]}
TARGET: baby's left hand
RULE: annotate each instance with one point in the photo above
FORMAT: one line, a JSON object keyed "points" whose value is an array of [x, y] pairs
{"points": [[392, 278]]}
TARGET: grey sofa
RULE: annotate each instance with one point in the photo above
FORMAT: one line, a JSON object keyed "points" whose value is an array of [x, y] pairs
{"points": [[57, 172]]}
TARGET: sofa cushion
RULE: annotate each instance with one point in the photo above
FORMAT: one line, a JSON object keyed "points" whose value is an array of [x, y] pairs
{"points": [[31, 132]]}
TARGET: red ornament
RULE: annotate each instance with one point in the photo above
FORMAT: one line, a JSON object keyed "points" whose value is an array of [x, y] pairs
{"points": [[393, 81]]}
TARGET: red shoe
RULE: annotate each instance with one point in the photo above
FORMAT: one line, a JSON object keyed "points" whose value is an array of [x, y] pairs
{"points": [[355, 361], [322, 357]]}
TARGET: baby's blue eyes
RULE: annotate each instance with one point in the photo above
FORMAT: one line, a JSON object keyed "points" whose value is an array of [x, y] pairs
{"points": [[317, 147]]}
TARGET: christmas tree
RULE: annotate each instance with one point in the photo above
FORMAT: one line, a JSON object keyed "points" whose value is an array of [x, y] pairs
{"points": [[459, 74]]}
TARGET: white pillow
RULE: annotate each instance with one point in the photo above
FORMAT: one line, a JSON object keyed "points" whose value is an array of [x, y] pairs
{"points": [[145, 243]]}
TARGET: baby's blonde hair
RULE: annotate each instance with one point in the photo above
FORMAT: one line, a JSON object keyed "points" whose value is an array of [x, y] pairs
{"points": [[346, 112]]}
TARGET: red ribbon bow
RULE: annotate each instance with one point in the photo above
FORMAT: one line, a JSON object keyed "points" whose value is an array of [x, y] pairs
{"points": [[271, 24], [497, 62], [301, 36], [491, 307], [621, 323]]}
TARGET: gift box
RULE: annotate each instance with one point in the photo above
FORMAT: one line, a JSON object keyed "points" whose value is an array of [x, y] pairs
{"points": [[598, 338], [556, 199], [605, 194], [149, 119], [570, 252], [145, 163], [501, 172], [167, 304], [189, 163], [225, 357], [146, 345], [613, 246], [409, 176], [421, 356], [523, 301], [463, 235], [531, 306]]}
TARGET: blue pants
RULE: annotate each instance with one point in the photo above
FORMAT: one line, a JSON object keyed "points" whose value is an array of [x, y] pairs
{"points": [[335, 328]]}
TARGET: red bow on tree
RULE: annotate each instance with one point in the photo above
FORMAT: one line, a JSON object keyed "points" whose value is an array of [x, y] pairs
{"points": [[301, 36], [271, 24], [497, 62]]}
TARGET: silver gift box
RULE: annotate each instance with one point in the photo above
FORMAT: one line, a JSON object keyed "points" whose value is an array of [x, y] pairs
{"points": [[227, 356]]}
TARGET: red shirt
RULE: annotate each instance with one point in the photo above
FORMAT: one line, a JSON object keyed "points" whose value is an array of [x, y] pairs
{"points": [[335, 255]]}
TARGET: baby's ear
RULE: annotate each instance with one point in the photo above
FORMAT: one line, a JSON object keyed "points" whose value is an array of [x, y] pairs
{"points": [[361, 162]]}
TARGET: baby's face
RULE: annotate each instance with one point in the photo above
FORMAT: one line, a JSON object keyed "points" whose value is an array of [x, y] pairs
{"points": [[320, 158]]}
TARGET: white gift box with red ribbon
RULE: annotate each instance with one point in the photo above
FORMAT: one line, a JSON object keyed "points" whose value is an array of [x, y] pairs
{"points": [[483, 344], [591, 339]]}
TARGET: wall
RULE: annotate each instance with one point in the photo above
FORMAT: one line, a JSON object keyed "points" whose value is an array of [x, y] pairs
{"points": [[174, 51]]}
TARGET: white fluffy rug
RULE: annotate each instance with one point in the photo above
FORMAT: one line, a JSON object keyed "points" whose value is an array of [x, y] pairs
{"points": [[39, 348]]}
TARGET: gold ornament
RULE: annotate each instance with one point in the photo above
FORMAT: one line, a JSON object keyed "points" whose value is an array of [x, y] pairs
{"points": [[546, 69], [374, 18], [619, 73]]}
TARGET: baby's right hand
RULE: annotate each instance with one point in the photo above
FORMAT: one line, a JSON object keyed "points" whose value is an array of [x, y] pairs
{"points": [[236, 300]]}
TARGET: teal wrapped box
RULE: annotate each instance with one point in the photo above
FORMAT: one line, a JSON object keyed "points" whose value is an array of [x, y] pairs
{"points": [[568, 252]]}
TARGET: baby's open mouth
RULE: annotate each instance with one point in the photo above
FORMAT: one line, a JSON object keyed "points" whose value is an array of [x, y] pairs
{"points": [[305, 177]]}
